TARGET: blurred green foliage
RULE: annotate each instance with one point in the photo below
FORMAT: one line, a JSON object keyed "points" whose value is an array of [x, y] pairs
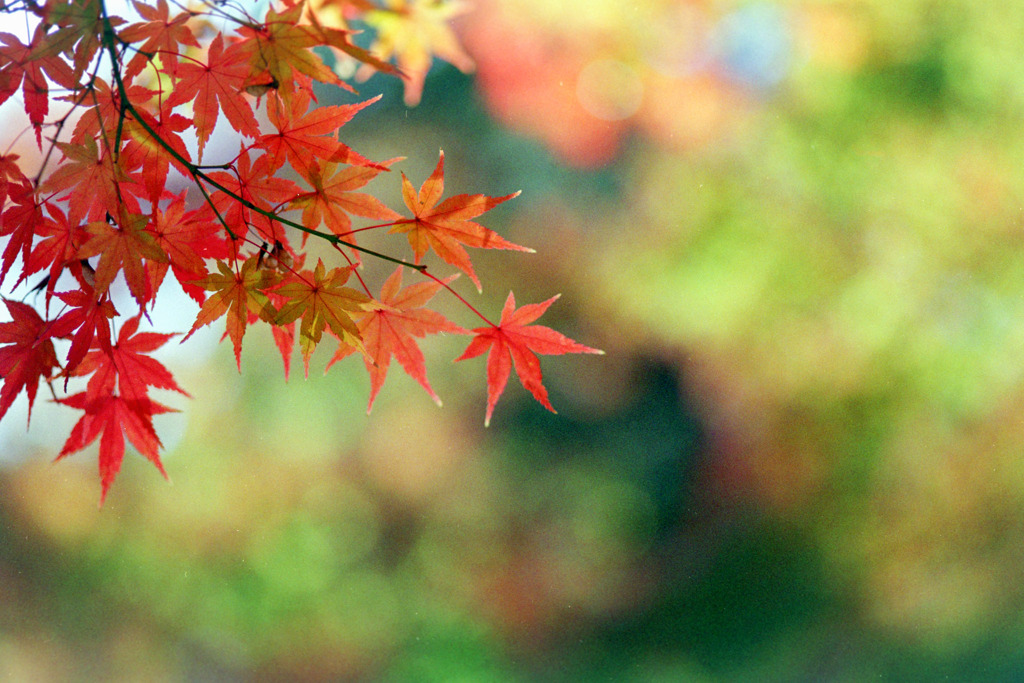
{"points": [[802, 458]]}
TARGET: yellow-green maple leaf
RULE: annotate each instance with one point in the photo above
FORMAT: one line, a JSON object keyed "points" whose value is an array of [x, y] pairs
{"points": [[322, 301]]}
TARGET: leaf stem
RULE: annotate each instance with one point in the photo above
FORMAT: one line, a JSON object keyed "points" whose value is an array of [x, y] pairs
{"points": [[457, 296]]}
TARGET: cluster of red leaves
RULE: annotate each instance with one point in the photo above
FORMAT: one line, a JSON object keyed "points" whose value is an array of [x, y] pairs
{"points": [[96, 206]]}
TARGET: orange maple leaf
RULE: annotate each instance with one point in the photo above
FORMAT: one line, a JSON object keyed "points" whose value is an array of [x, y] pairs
{"points": [[282, 46], [236, 294], [333, 199], [514, 340], [304, 132], [392, 329], [445, 227], [322, 301]]}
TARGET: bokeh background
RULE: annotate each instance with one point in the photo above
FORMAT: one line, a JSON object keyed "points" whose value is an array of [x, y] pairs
{"points": [[796, 229]]}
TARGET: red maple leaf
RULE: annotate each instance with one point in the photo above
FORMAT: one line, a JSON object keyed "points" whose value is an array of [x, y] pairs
{"points": [[514, 340], [57, 248], [21, 222], [305, 133], [212, 87], [187, 240], [114, 417], [89, 319], [10, 172], [105, 110], [256, 183], [24, 65], [28, 354], [97, 184], [392, 330], [445, 227], [129, 362], [122, 248], [150, 154]]}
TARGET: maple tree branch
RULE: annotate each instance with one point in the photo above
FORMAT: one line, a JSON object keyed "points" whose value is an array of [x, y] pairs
{"points": [[55, 224], [215, 10], [195, 171], [216, 212], [333, 239]]}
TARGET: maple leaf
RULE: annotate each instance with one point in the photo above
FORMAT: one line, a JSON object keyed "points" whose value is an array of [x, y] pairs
{"points": [[116, 418], [187, 242], [122, 248], [81, 28], [151, 154], [284, 339], [9, 172], [105, 111], [21, 222], [280, 48], [514, 340], [96, 184], [338, 37], [27, 355], [256, 183], [106, 200], [235, 294], [414, 31], [304, 133], [212, 87], [332, 198], [24, 65], [128, 361], [58, 247], [391, 330], [280, 259], [162, 35], [445, 227], [90, 316], [322, 301]]}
